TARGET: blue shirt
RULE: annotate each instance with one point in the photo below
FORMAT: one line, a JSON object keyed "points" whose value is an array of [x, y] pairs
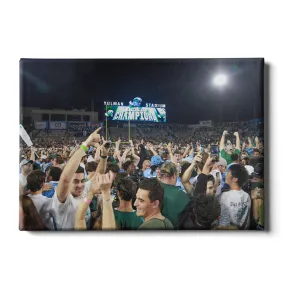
{"points": [[50, 193], [147, 173]]}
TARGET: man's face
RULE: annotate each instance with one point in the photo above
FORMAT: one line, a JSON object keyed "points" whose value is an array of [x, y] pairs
{"points": [[78, 184], [177, 157], [222, 168], [27, 168], [131, 169], [158, 172], [143, 204], [243, 162], [210, 188], [113, 175], [256, 153], [146, 165]]}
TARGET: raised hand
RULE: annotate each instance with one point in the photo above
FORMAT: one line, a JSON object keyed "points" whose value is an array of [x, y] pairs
{"points": [[197, 158], [104, 182], [225, 133], [93, 138], [236, 134]]}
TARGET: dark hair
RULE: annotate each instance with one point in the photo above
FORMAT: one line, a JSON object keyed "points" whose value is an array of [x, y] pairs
{"points": [[177, 152], [201, 164], [55, 173], [184, 167], [256, 150], [156, 191], [126, 164], [32, 220], [127, 189], [91, 166], [234, 157], [35, 180], [239, 171], [211, 178], [200, 213], [59, 159], [255, 160], [246, 159], [79, 170], [113, 167]]}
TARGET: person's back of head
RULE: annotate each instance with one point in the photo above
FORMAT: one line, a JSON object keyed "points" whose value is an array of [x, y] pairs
{"points": [[239, 172], [112, 167], [234, 157], [29, 217], [200, 213], [126, 189], [54, 174], [35, 180], [91, 166]]}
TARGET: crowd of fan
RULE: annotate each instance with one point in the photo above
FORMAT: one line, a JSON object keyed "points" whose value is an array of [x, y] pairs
{"points": [[151, 183]]}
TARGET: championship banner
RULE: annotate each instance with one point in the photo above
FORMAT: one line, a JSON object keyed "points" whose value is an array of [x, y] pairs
{"points": [[141, 114], [58, 125], [40, 125]]}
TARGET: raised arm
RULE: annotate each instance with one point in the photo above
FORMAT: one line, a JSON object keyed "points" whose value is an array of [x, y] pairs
{"points": [[249, 142], [70, 168], [170, 153], [257, 142], [108, 218], [101, 168], [201, 186], [80, 223], [222, 142], [188, 173], [32, 157], [186, 151], [237, 140]]}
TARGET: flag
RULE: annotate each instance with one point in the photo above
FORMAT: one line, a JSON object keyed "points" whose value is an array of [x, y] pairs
{"points": [[25, 136]]}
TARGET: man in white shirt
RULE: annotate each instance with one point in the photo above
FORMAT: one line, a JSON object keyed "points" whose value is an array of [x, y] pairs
{"points": [[235, 203], [71, 190], [26, 167]]}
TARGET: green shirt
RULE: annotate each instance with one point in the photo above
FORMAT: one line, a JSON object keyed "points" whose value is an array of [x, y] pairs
{"points": [[156, 224], [174, 202], [227, 156], [127, 220]]}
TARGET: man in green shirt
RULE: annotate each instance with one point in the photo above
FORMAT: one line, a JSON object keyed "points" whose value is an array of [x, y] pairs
{"points": [[227, 151], [174, 201], [148, 202]]}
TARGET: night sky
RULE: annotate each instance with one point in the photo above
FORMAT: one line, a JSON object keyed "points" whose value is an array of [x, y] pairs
{"points": [[185, 86]]}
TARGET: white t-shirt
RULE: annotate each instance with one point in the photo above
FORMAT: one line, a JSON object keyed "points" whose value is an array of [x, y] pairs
{"points": [[249, 169], [40, 203], [23, 180], [64, 213], [235, 209]]}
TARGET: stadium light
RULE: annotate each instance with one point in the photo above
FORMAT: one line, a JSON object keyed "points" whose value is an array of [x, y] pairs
{"points": [[220, 80]]}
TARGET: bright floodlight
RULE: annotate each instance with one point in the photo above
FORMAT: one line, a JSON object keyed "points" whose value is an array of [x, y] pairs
{"points": [[220, 80]]}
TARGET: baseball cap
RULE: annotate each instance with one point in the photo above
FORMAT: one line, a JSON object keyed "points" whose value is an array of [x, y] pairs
{"points": [[222, 162], [25, 161], [258, 170], [156, 160], [168, 169]]}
